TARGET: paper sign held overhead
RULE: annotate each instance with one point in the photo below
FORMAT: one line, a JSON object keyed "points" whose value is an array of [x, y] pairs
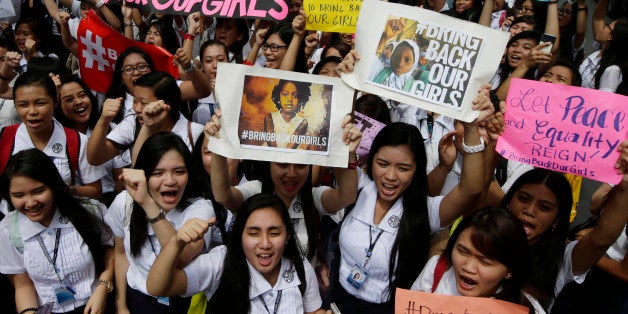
{"points": [[281, 116], [564, 128], [332, 16], [424, 58], [276, 10]]}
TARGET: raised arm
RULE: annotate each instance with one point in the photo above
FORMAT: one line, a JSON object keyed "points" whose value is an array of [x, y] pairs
{"points": [[68, 42], [164, 277], [347, 178], [258, 39], [447, 154], [99, 148], [137, 187], [551, 24], [225, 194], [580, 7], [487, 13], [592, 246], [11, 61], [197, 86], [534, 58], [127, 21], [471, 179], [298, 27], [598, 22]]}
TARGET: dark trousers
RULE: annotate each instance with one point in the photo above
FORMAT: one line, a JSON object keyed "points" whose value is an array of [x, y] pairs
{"points": [[348, 304], [138, 302]]}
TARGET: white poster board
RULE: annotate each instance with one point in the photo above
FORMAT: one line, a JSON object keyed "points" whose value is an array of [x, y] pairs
{"points": [[424, 58], [281, 116]]}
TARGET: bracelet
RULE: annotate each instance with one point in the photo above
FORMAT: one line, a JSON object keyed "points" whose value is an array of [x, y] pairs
{"points": [[160, 216], [99, 4], [187, 36], [29, 309], [128, 24], [473, 149], [353, 165], [107, 284], [191, 68]]}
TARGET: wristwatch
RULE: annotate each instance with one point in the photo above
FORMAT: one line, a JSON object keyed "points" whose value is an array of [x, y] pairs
{"points": [[160, 216], [107, 284]]}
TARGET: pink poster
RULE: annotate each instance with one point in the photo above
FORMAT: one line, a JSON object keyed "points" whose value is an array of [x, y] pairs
{"points": [[369, 128], [564, 128]]}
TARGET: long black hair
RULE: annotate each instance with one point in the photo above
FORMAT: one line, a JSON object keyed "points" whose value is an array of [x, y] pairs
{"points": [[206, 188], [310, 213], [547, 252], [499, 235], [505, 68], [149, 156], [410, 249], [235, 282], [34, 164], [93, 116], [615, 54]]}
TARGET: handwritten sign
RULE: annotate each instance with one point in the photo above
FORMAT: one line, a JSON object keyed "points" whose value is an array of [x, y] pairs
{"points": [[563, 128], [332, 16], [417, 302], [281, 116], [275, 10], [369, 128], [423, 58]]}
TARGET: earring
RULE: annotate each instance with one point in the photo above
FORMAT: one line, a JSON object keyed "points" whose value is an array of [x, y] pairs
{"points": [[508, 275]]}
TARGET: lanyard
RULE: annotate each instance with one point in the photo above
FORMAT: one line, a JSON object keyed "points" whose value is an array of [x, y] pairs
{"points": [[277, 301], [53, 260], [369, 252]]}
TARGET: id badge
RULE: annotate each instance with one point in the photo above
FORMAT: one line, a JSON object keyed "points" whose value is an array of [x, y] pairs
{"points": [[163, 300], [64, 294], [357, 276]]}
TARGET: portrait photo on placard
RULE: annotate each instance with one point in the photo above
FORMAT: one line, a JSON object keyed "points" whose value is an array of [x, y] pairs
{"points": [[285, 115], [426, 61]]}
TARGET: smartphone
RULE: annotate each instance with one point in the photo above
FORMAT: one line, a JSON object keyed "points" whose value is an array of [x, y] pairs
{"points": [[547, 38]]}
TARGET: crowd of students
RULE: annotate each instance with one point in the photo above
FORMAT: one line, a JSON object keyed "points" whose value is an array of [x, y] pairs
{"points": [[115, 203]]}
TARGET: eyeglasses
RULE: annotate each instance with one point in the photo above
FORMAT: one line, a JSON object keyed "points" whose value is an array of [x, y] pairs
{"points": [[565, 11], [273, 47], [141, 68], [609, 26], [525, 10]]}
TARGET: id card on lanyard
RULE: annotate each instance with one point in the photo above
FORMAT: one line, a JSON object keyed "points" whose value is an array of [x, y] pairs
{"points": [[358, 274], [63, 291]]}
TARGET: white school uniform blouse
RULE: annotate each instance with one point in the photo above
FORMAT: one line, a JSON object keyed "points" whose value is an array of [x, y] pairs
{"points": [[251, 188], [205, 272], [56, 150], [124, 134], [354, 240], [139, 265], [74, 260], [447, 284]]}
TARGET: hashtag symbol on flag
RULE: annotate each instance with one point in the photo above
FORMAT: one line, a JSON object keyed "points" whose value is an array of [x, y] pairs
{"points": [[94, 52]]}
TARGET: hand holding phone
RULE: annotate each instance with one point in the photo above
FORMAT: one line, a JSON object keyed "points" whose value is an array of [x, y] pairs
{"points": [[547, 38]]}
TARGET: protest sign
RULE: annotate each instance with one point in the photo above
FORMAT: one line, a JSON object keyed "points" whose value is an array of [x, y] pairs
{"points": [[564, 128], [369, 128], [417, 302], [275, 10], [281, 116], [99, 46], [424, 58], [332, 16]]}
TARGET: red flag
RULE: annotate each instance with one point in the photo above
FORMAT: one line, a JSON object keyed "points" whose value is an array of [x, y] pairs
{"points": [[99, 46]]}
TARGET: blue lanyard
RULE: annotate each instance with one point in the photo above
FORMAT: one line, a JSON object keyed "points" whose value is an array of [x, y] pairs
{"points": [[53, 260], [372, 243]]}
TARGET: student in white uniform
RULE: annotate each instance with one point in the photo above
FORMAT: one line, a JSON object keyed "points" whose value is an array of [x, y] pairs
{"points": [[55, 248], [35, 97], [385, 238], [487, 256], [261, 270], [542, 201], [212, 52], [161, 194], [293, 184], [157, 108]]}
